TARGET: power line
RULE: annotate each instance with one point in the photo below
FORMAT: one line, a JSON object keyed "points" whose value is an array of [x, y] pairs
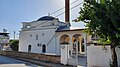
{"points": [[74, 2], [62, 8], [57, 11], [69, 9], [76, 6], [59, 14]]}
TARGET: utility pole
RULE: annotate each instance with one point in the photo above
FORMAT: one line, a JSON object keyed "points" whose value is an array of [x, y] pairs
{"points": [[67, 11]]}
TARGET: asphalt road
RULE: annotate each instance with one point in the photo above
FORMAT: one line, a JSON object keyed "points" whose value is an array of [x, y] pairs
{"points": [[10, 62]]}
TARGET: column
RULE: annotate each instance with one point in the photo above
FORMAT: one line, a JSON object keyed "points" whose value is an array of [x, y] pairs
{"points": [[58, 45], [85, 41], [71, 44], [80, 45]]}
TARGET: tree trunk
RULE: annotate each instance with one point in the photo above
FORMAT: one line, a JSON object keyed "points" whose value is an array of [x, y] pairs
{"points": [[114, 56]]}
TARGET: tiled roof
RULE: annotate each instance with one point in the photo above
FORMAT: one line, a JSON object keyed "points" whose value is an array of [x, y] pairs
{"points": [[68, 28], [62, 28]]}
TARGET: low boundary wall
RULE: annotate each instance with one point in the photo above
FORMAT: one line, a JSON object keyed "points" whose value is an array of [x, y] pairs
{"points": [[32, 56], [100, 56]]}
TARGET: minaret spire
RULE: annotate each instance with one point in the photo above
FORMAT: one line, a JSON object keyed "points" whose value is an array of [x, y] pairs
{"points": [[48, 13]]}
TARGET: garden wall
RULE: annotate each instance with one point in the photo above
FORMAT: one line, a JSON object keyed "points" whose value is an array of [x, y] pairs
{"points": [[32, 56], [100, 56]]}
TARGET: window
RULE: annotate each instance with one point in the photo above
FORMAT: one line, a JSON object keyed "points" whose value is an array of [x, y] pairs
{"points": [[28, 26], [38, 44], [29, 48], [36, 37], [30, 35], [43, 34], [44, 48], [53, 24]]}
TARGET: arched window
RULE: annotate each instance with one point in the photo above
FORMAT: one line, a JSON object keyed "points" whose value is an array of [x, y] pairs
{"points": [[29, 48], [44, 48], [36, 37]]}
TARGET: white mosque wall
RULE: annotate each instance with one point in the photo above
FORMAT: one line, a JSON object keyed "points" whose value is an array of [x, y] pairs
{"points": [[23, 42], [51, 48], [41, 24], [44, 36], [58, 46]]}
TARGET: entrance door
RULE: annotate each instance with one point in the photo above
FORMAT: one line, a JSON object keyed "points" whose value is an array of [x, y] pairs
{"points": [[44, 48], [29, 48]]}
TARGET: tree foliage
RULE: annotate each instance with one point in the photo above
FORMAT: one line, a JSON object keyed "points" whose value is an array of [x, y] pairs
{"points": [[14, 44], [103, 18]]}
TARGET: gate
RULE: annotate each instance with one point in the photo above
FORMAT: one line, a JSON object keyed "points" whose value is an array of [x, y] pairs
{"points": [[69, 54]]}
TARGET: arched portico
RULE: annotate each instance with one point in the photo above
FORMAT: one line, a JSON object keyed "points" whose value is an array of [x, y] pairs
{"points": [[73, 44], [69, 39]]}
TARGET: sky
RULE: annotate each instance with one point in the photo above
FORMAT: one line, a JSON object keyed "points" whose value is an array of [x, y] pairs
{"points": [[13, 12]]}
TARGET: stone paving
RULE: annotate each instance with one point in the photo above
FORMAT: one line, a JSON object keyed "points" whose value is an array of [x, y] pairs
{"points": [[82, 61]]}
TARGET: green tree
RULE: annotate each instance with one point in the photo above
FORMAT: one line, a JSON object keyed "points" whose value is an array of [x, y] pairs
{"points": [[14, 44], [103, 18]]}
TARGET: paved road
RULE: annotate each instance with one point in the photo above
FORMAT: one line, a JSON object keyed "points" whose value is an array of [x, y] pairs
{"points": [[10, 62]]}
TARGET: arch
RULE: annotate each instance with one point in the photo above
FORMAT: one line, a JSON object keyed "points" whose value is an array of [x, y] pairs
{"points": [[29, 48], [64, 39], [80, 41], [76, 37], [44, 48]]}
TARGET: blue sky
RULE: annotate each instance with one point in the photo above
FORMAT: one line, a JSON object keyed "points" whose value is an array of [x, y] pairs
{"points": [[13, 12]]}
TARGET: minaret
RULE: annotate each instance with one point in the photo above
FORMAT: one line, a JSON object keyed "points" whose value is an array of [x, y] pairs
{"points": [[67, 11]]}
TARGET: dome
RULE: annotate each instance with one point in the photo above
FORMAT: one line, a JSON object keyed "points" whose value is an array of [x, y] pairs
{"points": [[46, 18]]}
